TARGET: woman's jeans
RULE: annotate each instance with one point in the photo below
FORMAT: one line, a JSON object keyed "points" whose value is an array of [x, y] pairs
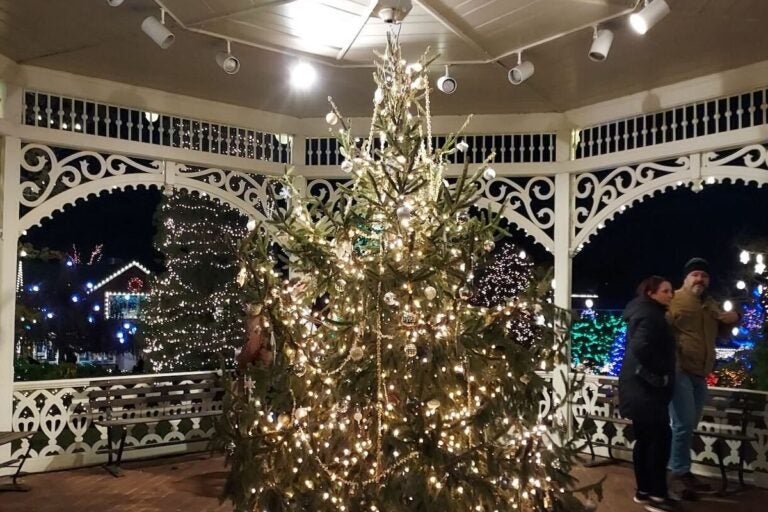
{"points": [[685, 410]]}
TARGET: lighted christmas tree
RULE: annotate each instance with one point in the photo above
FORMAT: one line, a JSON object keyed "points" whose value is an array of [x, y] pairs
{"points": [[194, 315], [592, 339], [383, 388]]}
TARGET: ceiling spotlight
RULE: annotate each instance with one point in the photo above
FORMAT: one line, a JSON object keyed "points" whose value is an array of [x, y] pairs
{"points": [[601, 44], [303, 75], [228, 62], [115, 3], [393, 11], [651, 13], [157, 32], [522, 72], [446, 83]]}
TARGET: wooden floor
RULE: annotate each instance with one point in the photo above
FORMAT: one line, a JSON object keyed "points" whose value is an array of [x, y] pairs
{"points": [[193, 483]]}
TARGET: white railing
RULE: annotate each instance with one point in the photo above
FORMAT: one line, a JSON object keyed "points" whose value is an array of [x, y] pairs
{"points": [[704, 457], [57, 410]]}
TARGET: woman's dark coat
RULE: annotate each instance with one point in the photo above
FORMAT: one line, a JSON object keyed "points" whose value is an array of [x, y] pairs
{"points": [[647, 374]]}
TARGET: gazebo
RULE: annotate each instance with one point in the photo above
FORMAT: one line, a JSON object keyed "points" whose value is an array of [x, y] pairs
{"points": [[96, 98]]}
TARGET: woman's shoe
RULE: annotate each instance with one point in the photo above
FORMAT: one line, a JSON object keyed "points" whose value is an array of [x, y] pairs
{"points": [[641, 497], [664, 505]]}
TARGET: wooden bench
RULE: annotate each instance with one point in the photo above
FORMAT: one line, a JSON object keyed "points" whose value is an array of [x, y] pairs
{"points": [[733, 411], [149, 400], [18, 462]]}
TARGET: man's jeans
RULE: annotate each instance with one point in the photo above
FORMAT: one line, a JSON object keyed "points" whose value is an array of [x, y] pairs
{"points": [[685, 410]]}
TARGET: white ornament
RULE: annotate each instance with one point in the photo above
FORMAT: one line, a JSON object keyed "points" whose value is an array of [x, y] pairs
{"points": [[242, 276], [489, 245], [489, 173], [418, 83], [464, 293], [251, 225], [356, 353], [433, 404], [300, 413], [378, 96], [404, 212], [331, 118], [430, 292], [347, 166], [410, 350], [358, 416], [462, 146], [390, 298]]}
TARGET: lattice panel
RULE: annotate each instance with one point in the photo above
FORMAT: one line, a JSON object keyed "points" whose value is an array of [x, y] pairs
{"points": [[57, 112]]}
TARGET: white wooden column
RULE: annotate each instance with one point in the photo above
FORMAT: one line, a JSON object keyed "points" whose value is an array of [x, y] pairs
{"points": [[563, 268], [11, 154]]}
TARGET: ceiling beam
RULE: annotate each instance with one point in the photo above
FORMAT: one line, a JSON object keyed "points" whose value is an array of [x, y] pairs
{"points": [[238, 12], [455, 24], [364, 17]]}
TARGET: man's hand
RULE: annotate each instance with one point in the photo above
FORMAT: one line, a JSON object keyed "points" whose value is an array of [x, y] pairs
{"points": [[728, 317]]}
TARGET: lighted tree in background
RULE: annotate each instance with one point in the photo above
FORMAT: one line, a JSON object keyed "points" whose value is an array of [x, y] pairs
{"points": [[193, 315], [386, 389], [592, 339]]}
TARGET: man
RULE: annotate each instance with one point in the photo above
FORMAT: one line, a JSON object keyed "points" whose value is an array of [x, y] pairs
{"points": [[696, 321]]}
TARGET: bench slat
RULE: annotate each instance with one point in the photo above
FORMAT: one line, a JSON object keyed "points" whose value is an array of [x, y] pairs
{"points": [[107, 393], [155, 419]]}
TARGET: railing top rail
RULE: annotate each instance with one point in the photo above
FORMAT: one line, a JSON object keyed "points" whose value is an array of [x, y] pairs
{"points": [[95, 381]]}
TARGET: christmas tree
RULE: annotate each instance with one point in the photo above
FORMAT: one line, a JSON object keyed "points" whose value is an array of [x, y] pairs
{"points": [[383, 387], [592, 338], [193, 314]]}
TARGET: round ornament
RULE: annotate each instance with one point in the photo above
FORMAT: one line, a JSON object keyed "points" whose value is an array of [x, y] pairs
{"points": [[299, 370], [356, 353], [462, 217], [489, 173], [489, 245], [331, 118], [284, 420], [404, 212], [340, 285], [462, 146], [358, 416], [410, 350], [430, 292], [343, 406], [390, 298], [347, 166], [464, 293], [300, 413], [433, 404]]}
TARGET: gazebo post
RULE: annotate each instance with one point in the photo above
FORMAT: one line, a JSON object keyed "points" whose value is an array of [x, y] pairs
{"points": [[563, 273], [11, 153]]}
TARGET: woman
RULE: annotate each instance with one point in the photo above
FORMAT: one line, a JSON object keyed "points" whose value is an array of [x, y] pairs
{"points": [[645, 389]]}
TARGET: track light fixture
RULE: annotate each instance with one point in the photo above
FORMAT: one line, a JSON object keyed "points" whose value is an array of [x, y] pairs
{"points": [[228, 62], [393, 11], [115, 3], [601, 44], [446, 83], [522, 72], [651, 13], [157, 31]]}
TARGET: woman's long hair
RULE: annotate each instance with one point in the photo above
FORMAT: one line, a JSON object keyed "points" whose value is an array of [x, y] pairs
{"points": [[650, 285]]}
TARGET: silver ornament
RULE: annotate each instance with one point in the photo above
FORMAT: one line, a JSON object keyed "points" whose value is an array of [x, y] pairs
{"points": [[404, 212], [300, 370], [433, 404], [347, 166], [331, 118], [408, 319], [356, 353], [410, 350], [430, 292], [462, 217], [390, 298], [489, 245], [340, 285], [464, 293], [489, 173], [358, 416], [462, 146], [300, 413]]}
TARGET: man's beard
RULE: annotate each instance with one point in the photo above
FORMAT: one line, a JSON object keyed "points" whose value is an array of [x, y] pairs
{"points": [[699, 289]]}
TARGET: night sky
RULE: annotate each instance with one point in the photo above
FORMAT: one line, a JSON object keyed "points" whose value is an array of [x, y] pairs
{"points": [[655, 237]]}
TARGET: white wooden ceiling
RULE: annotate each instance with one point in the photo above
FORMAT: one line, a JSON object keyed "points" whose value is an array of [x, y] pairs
{"points": [[476, 36]]}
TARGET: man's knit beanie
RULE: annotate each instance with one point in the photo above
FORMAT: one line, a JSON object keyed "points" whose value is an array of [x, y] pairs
{"points": [[695, 264]]}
